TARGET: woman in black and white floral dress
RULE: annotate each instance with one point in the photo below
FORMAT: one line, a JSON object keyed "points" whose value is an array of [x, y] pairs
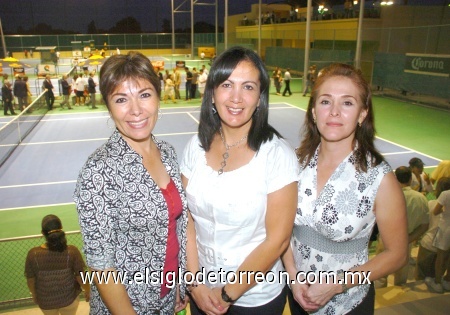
{"points": [[130, 201], [344, 187]]}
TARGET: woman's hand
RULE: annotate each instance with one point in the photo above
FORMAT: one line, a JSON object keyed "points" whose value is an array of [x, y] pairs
{"points": [[180, 304], [299, 291], [207, 301], [321, 293]]}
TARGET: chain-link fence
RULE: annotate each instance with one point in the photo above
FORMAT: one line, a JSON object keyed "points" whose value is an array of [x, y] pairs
{"points": [[13, 286]]}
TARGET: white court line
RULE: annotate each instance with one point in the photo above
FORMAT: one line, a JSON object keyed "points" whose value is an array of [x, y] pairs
{"points": [[39, 184], [39, 206], [400, 152], [193, 118]]}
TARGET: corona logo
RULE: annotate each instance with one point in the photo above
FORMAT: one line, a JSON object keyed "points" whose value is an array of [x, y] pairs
{"points": [[47, 68], [418, 63]]}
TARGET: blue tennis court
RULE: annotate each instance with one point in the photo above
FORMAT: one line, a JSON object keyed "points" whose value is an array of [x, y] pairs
{"points": [[43, 170]]}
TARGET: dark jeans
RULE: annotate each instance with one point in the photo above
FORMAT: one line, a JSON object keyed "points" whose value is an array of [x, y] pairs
{"points": [[7, 105], [287, 87], [50, 99], [274, 307], [366, 307], [188, 90], [193, 90]]}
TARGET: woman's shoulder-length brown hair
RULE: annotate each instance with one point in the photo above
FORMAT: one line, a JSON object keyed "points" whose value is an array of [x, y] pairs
{"points": [[132, 66], [364, 134]]}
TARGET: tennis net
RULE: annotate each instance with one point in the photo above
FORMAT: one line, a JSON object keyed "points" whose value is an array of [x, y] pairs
{"points": [[15, 131]]}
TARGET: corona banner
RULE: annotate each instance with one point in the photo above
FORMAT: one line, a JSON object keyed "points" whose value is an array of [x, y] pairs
{"points": [[435, 65]]}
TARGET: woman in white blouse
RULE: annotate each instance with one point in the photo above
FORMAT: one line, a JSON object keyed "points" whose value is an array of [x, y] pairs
{"points": [[241, 186]]}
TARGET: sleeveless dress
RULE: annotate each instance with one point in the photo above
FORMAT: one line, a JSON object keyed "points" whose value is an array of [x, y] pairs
{"points": [[332, 229]]}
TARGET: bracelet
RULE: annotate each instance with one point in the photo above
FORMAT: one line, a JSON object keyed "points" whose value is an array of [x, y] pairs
{"points": [[342, 281], [191, 286]]}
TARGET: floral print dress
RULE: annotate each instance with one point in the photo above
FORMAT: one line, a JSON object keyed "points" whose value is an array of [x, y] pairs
{"points": [[332, 229]]}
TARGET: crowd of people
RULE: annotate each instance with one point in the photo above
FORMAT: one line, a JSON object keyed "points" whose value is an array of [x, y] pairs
{"points": [[243, 203]]}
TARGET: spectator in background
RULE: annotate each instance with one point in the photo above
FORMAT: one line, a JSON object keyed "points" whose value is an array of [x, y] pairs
{"points": [[202, 82], [205, 70], [20, 91], [176, 82], [194, 82], [53, 271], [29, 95], [420, 181], [426, 257], [277, 79], [74, 90], [49, 96], [287, 82], [80, 86], [169, 88], [417, 214], [7, 98], [188, 83], [130, 200], [117, 51], [441, 241], [310, 79], [91, 89], [442, 170], [65, 91], [348, 9]]}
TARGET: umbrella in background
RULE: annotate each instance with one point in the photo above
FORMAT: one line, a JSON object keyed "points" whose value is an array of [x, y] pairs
{"points": [[93, 57], [10, 59], [93, 63], [13, 64]]}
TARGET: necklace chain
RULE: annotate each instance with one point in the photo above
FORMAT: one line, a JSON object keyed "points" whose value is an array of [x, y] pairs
{"points": [[227, 148]]}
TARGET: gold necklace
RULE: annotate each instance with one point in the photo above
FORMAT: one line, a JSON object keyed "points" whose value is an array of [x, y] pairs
{"points": [[227, 148]]}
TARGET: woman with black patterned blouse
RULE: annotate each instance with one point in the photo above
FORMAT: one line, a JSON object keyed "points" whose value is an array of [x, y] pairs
{"points": [[130, 200], [344, 187]]}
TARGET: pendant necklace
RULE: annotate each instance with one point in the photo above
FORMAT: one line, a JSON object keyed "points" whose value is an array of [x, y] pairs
{"points": [[227, 148]]}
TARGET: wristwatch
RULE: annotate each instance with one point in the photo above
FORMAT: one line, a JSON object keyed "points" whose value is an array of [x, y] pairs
{"points": [[226, 297]]}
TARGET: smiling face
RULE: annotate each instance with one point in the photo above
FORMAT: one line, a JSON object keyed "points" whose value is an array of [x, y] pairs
{"points": [[338, 109], [133, 106], [237, 98]]}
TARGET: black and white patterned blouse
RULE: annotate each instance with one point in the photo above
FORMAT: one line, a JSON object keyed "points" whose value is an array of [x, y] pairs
{"points": [[332, 229], [124, 221]]}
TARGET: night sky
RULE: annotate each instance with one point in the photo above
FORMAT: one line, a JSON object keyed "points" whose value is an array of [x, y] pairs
{"points": [[76, 15]]}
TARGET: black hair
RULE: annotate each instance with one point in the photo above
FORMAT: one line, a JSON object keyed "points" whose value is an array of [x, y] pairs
{"points": [[54, 235], [221, 69], [403, 174]]}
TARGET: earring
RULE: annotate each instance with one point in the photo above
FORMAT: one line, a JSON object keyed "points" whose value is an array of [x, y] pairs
{"points": [[214, 110], [314, 120], [359, 123], [159, 114], [109, 125]]}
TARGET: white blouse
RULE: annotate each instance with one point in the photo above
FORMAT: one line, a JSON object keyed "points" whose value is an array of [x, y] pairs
{"points": [[229, 210]]}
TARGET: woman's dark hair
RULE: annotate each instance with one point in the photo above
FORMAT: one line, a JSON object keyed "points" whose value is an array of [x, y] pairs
{"points": [[221, 69], [364, 135], [442, 184], [132, 66], [54, 235]]}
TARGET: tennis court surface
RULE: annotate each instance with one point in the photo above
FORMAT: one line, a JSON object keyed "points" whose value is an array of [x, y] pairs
{"points": [[42, 171]]}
